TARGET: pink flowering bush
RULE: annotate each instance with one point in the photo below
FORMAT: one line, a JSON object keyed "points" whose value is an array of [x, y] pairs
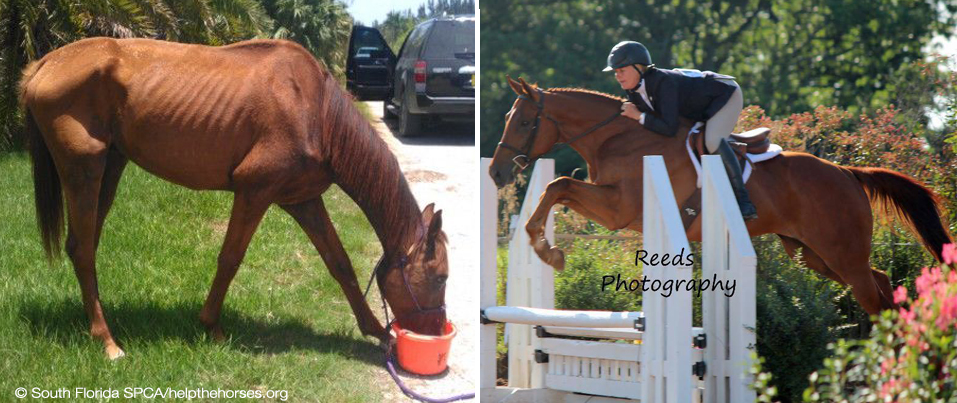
{"points": [[911, 355]]}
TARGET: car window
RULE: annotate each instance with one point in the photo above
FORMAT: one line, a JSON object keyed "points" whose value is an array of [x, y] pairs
{"points": [[451, 38], [368, 43], [416, 39]]}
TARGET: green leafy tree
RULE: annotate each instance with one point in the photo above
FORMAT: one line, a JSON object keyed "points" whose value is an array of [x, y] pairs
{"points": [[398, 23], [321, 26], [789, 56], [31, 29], [396, 27]]}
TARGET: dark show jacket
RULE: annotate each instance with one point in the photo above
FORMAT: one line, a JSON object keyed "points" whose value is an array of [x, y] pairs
{"points": [[697, 96]]}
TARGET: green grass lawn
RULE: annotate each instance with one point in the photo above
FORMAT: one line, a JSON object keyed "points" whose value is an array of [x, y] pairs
{"points": [[289, 324]]}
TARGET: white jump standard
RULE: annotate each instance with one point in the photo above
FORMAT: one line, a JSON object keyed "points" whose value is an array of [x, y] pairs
{"points": [[673, 362]]}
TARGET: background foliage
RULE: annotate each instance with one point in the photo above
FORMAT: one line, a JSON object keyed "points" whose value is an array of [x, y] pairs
{"points": [[31, 29], [398, 23], [789, 56]]}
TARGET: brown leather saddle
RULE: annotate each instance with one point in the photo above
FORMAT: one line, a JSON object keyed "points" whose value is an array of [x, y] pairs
{"points": [[755, 141]]}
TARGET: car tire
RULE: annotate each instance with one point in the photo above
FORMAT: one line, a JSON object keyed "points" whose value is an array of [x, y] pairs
{"points": [[409, 123], [386, 113]]}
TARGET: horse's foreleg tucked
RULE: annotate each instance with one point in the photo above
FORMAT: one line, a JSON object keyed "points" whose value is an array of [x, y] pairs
{"points": [[314, 220], [243, 221], [595, 202]]}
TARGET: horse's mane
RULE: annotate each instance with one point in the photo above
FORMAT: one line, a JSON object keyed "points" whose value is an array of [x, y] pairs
{"points": [[612, 100], [365, 168], [585, 91]]}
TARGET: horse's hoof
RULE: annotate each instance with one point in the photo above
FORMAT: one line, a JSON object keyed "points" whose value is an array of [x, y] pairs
{"points": [[387, 344], [558, 259], [114, 353], [216, 334], [385, 337]]}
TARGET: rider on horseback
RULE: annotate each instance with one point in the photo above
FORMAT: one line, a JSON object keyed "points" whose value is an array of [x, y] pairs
{"points": [[657, 97]]}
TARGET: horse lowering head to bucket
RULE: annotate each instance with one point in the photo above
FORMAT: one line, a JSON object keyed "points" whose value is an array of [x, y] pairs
{"points": [[811, 204], [262, 119]]}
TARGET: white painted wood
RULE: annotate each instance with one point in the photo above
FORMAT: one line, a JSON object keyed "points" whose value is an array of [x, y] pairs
{"points": [[562, 317], [666, 358], [531, 283], [592, 349], [489, 269], [594, 386], [727, 254], [596, 332]]}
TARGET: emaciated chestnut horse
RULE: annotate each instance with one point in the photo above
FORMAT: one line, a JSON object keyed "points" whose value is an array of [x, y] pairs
{"points": [[811, 204], [262, 119]]}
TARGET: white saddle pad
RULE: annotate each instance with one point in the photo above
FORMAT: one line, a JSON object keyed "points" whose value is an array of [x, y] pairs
{"points": [[773, 151]]}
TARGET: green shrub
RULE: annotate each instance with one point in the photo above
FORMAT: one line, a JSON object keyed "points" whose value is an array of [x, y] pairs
{"points": [[796, 318], [911, 354], [579, 286]]}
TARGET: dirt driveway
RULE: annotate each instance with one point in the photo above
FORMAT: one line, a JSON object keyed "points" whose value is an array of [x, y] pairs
{"points": [[441, 165]]}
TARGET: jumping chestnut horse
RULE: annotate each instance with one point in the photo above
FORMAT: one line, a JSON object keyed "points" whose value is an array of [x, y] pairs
{"points": [[811, 204], [262, 119]]}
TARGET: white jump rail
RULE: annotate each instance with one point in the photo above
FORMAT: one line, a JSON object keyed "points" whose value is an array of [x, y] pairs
{"points": [[566, 318]]}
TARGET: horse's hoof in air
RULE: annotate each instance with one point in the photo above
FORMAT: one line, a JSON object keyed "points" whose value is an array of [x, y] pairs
{"points": [[557, 259]]}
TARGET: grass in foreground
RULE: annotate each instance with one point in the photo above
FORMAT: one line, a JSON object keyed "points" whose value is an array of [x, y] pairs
{"points": [[289, 324]]}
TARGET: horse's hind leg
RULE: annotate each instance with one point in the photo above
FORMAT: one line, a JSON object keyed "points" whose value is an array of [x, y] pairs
{"points": [[314, 220], [81, 160], [884, 283], [852, 263], [247, 212], [810, 258], [115, 164], [871, 288]]}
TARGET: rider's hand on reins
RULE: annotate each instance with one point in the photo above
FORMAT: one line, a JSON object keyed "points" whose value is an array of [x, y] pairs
{"points": [[630, 110]]}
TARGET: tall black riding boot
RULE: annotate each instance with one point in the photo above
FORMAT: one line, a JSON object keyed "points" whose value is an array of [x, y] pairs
{"points": [[730, 159]]}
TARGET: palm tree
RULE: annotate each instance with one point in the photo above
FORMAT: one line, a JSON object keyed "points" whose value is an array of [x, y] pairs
{"points": [[321, 26], [31, 28]]}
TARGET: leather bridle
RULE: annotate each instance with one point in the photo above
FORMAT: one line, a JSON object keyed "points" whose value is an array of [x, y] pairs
{"points": [[401, 265], [521, 158]]}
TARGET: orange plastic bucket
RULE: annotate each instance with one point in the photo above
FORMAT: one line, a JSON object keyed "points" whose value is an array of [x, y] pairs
{"points": [[423, 354]]}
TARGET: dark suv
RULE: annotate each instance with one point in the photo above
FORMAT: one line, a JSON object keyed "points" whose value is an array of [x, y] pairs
{"points": [[433, 76]]}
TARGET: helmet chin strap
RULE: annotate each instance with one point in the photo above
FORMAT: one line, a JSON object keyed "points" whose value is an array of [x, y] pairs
{"points": [[640, 77]]}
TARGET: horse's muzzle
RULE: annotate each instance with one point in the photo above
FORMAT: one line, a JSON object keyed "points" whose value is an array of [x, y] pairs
{"points": [[502, 175], [430, 322]]}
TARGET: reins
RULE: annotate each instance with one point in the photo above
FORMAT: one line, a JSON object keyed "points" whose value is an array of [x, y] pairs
{"points": [[522, 154]]}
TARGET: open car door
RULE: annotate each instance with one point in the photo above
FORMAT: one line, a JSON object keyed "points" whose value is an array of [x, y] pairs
{"points": [[370, 64]]}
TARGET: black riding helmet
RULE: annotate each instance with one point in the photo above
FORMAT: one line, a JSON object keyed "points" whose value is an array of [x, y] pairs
{"points": [[627, 53]]}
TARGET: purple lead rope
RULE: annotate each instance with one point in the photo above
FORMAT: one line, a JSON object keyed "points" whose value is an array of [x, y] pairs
{"points": [[410, 393]]}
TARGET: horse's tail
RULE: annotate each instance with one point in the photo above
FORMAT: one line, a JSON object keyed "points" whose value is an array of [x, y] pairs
{"points": [[47, 192], [914, 203]]}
